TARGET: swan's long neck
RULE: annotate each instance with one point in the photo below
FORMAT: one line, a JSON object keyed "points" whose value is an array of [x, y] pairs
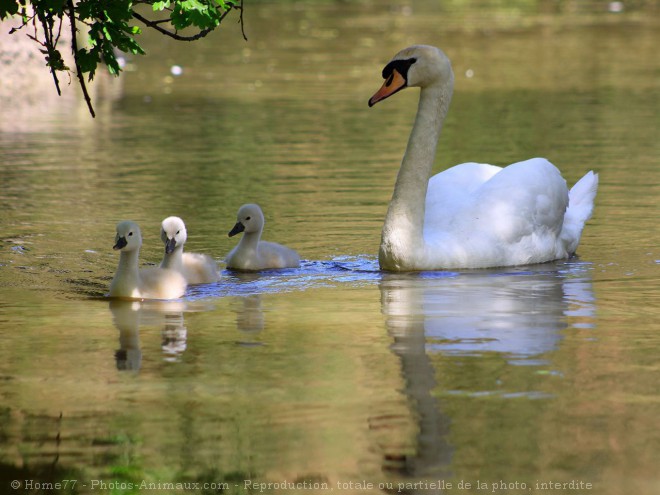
{"points": [[250, 241], [403, 230], [127, 278], [173, 260]]}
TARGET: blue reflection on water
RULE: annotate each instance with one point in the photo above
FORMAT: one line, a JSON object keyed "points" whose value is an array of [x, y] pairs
{"points": [[353, 270]]}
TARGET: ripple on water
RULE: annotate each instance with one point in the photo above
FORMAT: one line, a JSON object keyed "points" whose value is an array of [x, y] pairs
{"points": [[352, 270]]}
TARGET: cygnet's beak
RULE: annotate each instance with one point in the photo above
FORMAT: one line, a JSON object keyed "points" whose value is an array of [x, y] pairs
{"points": [[120, 243], [393, 84], [238, 228], [170, 244]]}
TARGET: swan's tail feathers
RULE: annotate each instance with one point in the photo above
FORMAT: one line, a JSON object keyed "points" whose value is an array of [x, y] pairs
{"points": [[581, 197], [580, 207]]}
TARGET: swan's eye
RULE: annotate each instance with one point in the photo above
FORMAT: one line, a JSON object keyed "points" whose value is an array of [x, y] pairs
{"points": [[389, 79]]}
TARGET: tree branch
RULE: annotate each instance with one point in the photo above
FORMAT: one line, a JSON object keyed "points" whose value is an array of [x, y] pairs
{"points": [[93, 15], [178, 37], [74, 48], [201, 34], [50, 48], [240, 20]]}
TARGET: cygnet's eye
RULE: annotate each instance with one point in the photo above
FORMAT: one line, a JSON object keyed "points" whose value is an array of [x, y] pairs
{"points": [[177, 232], [247, 218], [130, 234]]}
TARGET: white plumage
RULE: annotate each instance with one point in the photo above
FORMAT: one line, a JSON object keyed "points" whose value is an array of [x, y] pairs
{"points": [[471, 215], [196, 268]]}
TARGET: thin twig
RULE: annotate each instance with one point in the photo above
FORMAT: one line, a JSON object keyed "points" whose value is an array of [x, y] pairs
{"points": [[178, 37], [74, 47], [59, 33], [161, 21], [240, 20], [50, 48], [25, 23]]}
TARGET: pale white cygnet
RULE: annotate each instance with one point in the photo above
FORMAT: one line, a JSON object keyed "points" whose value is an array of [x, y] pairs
{"points": [[252, 253], [148, 283], [196, 268]]}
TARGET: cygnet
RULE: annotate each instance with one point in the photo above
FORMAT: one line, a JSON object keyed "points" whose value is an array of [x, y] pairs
{"points": [[196, 268], [147, 283], [252, 253]]}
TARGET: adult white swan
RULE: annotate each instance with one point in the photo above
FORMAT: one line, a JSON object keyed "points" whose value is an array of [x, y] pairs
{"points": [[471, 215]]}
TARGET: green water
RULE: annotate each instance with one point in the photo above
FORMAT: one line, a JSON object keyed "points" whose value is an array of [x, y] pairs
{"points": [[334, 375]]}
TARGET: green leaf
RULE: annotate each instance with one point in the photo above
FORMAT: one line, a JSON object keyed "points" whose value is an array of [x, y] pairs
{"points": [[55, 61], [85, 9], [227, 4], [8, 8], [159, 6], [106, 32], [118, 10], [88, 60], [195, 13]]}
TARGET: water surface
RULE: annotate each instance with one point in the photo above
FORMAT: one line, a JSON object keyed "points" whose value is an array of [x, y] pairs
{"points": [[335, 372]]}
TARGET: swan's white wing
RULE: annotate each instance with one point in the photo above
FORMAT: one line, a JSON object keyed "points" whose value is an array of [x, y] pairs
{"points": [[451, 192], [525, 199], [512, 217], [274, 255], [200, 268]]}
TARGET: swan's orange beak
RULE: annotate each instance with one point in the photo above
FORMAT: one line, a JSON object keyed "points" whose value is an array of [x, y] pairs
{"points": [[396, 82]]}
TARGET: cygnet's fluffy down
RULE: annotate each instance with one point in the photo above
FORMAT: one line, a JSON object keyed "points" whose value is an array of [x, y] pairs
{"points": [[251, 253], [196, 268], [148, 283]]}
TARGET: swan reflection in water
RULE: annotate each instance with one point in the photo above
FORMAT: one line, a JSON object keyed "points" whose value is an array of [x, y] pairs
{"points": [[249, 314], [128, 316], [247, 289], [517, 313]]}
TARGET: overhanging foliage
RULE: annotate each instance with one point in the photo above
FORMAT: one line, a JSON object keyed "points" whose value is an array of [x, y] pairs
{"points": [[107, 26]]}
